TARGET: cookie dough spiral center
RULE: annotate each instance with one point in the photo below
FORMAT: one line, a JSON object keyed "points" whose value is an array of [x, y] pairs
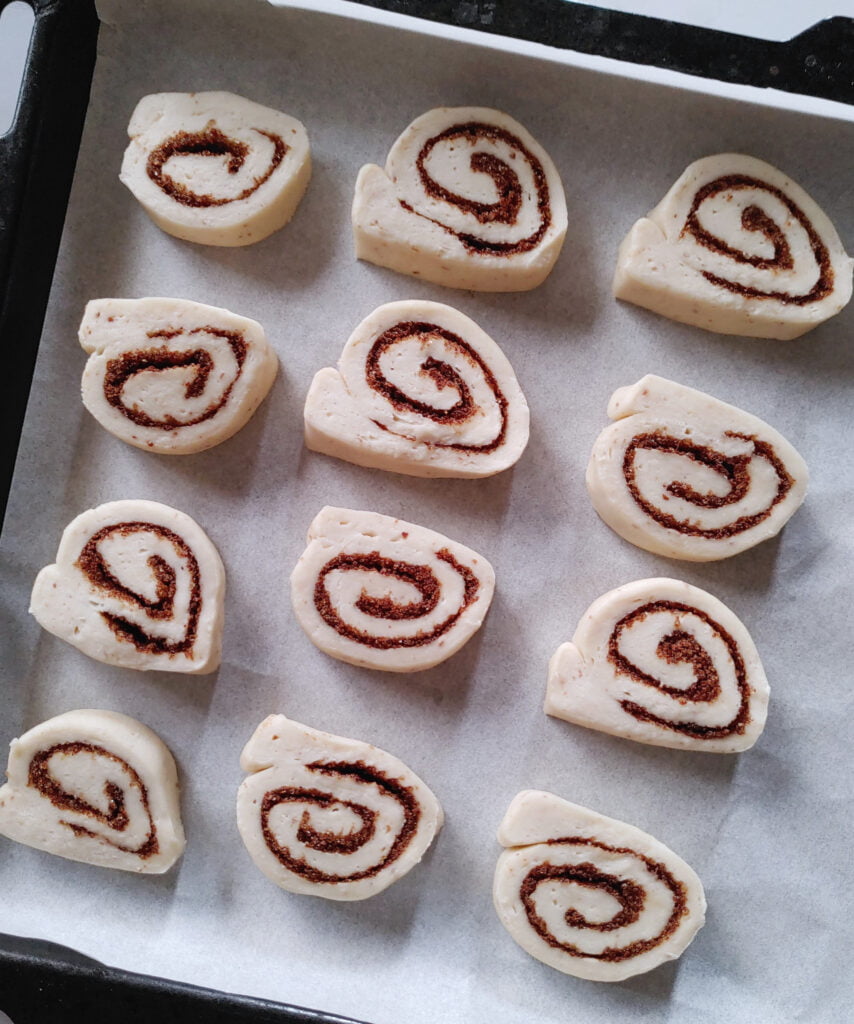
{"points": [[212, 143], [114, 815], [678, 645], [626, 887], [514, 204], [736, 472], [164, 578], [418, 576], [203, 363], [444, 375], [771, 248], [378, 786]]}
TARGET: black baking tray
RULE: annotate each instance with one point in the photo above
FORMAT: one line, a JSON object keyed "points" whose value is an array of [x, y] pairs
{"points": [[42, 983]]}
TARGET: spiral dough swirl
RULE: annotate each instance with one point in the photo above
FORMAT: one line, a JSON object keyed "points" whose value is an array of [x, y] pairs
{"points": [[125, 367], [115, 817], [420, 576], [443, 374], [511, 195], [331, 842], [755, 219], [680, 646], [211, 142], [733, 469], [630, 895], [93, 565]]}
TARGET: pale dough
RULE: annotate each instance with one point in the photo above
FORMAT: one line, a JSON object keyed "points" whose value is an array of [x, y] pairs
{"points": [[170, 375], [136, 584], [468, 199], [327, 816], [662, 662], [589, 895], [215, 168], [420, 389], [736, 247], [379, 592], [97, 787]]}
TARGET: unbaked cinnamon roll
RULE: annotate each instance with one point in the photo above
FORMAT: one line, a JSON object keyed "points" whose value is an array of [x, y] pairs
{"points": [[386, 594], [215, 168], [97, 787], [420, 389], [662, 662], [327, 816], [736, 247], [589, 895], [170, 375], [683, 474], [468, 199], [136, 584]]}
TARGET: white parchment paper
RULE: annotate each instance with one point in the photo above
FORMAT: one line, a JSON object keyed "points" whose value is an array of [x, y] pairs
{"points": [[769, 831]]}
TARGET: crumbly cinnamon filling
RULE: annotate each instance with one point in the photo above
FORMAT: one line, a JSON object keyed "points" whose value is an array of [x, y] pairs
{"points": [[734, 469], [419, 576]]}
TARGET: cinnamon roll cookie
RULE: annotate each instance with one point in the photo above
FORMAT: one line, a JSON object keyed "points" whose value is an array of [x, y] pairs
{"points": [[326, 816], [173, 376], [97, 787], [382, 593], [468, 199], [685, 475], [589, 895], [662, 662], [136, 584], [215, 168], [736, 247], [420, 389]]}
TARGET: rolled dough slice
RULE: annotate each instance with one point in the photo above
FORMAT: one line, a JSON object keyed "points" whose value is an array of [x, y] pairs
{"points": [[420, 389], [327, 816], [685, 475], [382, 593], [589, 895], [170, 375], [468, 199], [662, 662], [97, 787], [136, 584], [736, 247], [215, 168]]}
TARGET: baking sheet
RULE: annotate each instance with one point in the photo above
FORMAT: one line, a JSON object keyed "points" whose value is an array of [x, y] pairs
{"points": [[769, 831]]}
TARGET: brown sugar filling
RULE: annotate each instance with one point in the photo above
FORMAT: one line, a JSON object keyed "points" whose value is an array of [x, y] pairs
{"points": [[753, 218], [681, 647], [115, 817], [209, 142], [510, 193], [630, 895], [443, 376], [734, 469], [419, 576], [94, 567], [122, 369], [347, 843]]}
